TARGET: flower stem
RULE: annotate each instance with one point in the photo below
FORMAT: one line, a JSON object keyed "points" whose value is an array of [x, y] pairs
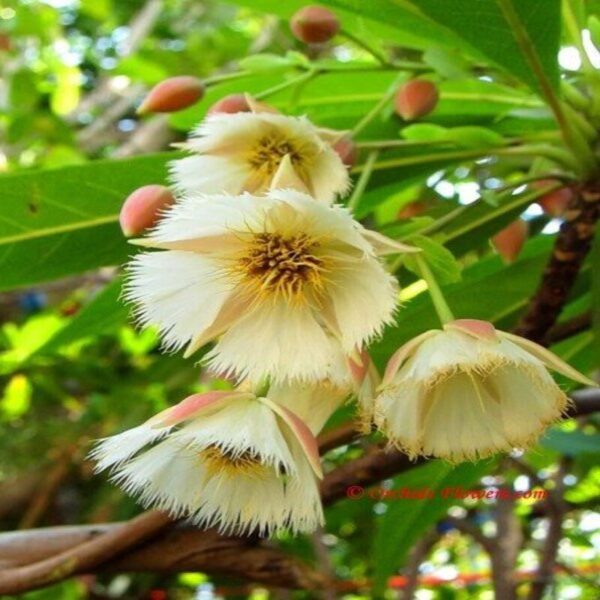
{"points": [[556, 154], [221, 77], [363, 180], [286, 84], [375, 110], [437, 297]]}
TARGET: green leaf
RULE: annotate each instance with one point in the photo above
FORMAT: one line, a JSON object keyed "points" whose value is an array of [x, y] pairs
{"points": [[441, 261], [406, 520], [65, 91], [472, 136], [595, 302], [265, 63], [424, 132], [17, 397], [447, 62], [571, 443], [102, 315], [467, 136], [484, 26], [383, 19], [59, 222]]}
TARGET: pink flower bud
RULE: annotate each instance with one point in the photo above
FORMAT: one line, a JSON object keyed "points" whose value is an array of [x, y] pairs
{"points": [[416, 99], [314, 24], [510, 240], [173, 94], [413, 209], [5, 43], [554, 203], [346, 150], [141, 209], [234, 103]]}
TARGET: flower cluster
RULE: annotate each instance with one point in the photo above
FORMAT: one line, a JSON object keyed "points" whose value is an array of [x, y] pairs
{"points": [[255, 255]]}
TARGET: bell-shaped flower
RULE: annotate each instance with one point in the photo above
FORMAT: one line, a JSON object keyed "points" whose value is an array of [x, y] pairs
{"points": [[470, 391], [227, 459], [282, 281], [243, 152]]}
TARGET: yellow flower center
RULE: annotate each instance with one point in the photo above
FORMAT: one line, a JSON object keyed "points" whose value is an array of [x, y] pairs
{"points": [[268, 152], [282, 265], [219, 462]]}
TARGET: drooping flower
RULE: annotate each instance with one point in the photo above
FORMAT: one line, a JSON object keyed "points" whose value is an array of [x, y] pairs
{"points": [[282, 281], [231, 460], [470, 391], [314, 403], [243, 152]]}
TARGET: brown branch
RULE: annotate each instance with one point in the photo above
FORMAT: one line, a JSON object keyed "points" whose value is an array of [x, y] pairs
{"points": [[562, 331], [469, 528], [570, 250], [378, 464], [16, 492], [83, 557], [340, 436], [507, 542], [548, 555], [177, 550], [46, 491], [417, 555]]}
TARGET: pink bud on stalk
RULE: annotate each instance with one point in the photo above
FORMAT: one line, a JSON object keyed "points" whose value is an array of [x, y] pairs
{"points": [[141, 208], [346, 150], [173, 94], [553, 203], [415, 99], [510, 240], [412, 209], [314, 24], [231, 104]]}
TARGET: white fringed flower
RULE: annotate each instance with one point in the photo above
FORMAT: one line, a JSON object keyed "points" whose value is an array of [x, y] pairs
{"points": [[229, 460], [243, 152], [314, 403], [470, 391], [282, 280]]}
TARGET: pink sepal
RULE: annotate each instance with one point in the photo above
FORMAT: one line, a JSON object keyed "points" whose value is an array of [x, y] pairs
{"points": [[482, 330], [303, 434], [192, 406]]}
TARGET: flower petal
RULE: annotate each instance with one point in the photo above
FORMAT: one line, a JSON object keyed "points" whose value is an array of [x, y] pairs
{"points": [[354, 286], [548, 358], [180, 292], [208, 174], [232, 310], [274, 339], [286, 177], [403, 353]]}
